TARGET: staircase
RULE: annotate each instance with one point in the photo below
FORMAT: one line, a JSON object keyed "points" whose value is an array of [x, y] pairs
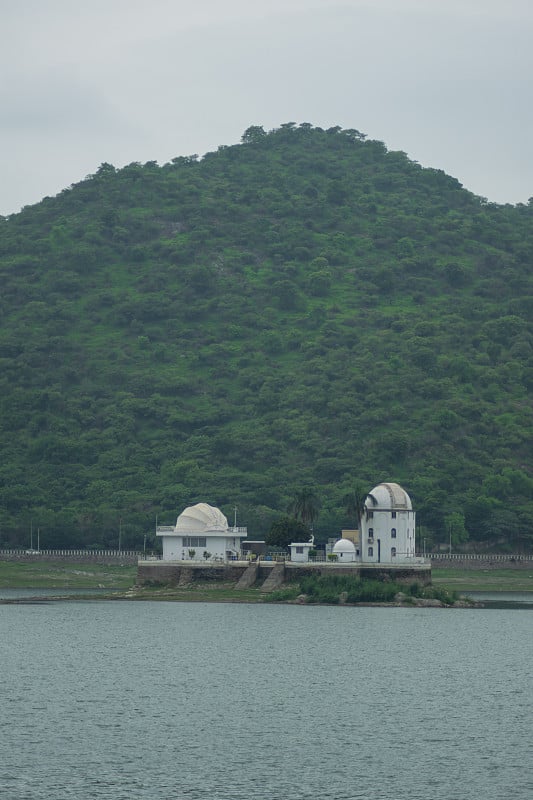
{"points": [[248, 577], [275, 579]]}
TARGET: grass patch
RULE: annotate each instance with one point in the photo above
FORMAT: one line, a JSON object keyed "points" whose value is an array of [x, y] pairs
{"points": [[198, 593], [484, 580], [283, 595], [65, 575]]}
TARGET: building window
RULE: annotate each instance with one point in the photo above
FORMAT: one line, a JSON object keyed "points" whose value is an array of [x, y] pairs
{"points": [[371, 533], [299, 550], [370, 551], [194, 541], [393, 533], [393, 551], [393, 514], [370, 515]]}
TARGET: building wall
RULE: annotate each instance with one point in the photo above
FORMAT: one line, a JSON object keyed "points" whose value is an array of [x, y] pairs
{"points": [[377, 536], [175, 550], [303, 556]]}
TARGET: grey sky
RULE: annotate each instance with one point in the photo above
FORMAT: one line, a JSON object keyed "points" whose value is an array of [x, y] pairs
{"points": [[447, 81]]}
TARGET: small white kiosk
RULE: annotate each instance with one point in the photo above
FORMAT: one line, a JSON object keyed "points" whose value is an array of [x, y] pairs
{"points": [[300, 551]]}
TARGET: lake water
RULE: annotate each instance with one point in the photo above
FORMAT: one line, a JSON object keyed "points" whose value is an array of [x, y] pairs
{"points": [[157, 701]]}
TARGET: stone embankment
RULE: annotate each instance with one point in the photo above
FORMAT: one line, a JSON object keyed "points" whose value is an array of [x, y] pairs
{"points": [[268, 575]]}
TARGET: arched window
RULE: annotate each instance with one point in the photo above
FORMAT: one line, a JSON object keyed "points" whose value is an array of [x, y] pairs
{"points": [[393, 552], [393, 533], [370, 551], [371, 533]]}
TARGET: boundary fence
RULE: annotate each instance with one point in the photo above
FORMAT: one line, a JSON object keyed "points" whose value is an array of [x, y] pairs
{"points": [[476, 557], [14, 551]]}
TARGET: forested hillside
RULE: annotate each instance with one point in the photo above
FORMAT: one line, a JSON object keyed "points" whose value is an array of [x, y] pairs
{"points": [[303, 309]]}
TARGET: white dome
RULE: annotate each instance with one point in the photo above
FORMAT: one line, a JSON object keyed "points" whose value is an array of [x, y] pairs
{"points": [[200, 518], [344, 546], [388, 496]]}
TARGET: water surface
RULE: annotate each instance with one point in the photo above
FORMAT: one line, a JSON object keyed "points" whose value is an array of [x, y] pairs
{"points": [[121, 700]]}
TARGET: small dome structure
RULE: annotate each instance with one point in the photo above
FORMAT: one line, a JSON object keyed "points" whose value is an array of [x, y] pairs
{"points": [[200, 518], [345, 550], [344, 546], [388, 496]]}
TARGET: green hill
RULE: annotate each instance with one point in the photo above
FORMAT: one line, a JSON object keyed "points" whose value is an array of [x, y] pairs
{"points": [[305, 308]]}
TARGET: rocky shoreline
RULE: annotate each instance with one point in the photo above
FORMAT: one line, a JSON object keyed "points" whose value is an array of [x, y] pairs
{"points": [[184, 596]]}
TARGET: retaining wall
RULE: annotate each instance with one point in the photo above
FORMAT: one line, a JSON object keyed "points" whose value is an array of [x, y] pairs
{"points": [[174, 573], [180, 573]]}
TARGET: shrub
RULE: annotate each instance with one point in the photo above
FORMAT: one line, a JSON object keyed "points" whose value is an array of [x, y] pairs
{"points": [[285, 594]]}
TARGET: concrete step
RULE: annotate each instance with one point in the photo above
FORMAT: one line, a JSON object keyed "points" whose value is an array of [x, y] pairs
{"points": [[275, 579], [248, 577]]}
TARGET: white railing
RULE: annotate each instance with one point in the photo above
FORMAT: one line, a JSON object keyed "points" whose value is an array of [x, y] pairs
{"points": [[419, 558], [22, 551], [477, 557]]}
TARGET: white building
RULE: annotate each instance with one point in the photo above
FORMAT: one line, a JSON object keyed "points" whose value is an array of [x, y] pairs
{"points": [[345, 551], [387, 526], [300, 551], [201, 532]]}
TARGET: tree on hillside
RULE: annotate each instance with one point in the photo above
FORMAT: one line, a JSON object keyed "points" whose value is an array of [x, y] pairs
{"points": [[305, 506], [286, 530], [253, 134], [455, 528]]}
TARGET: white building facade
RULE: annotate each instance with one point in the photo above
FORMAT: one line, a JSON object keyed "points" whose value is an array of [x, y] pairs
{"points": [[300, 551], [201, 533], [388, 526]]}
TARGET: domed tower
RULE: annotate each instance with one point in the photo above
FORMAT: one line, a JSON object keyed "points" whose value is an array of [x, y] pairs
{"points": [[387, 526]]}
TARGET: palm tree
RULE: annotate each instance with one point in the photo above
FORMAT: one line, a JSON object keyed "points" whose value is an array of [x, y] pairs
{"points": [[305, 506], [354, 503]]}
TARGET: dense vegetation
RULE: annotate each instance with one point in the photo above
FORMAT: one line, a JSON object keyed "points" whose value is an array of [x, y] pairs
{"points": [[303, 309], [349, 589]]}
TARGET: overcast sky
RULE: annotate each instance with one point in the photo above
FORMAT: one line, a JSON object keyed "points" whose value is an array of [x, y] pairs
{"points": [[447, 81]]}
